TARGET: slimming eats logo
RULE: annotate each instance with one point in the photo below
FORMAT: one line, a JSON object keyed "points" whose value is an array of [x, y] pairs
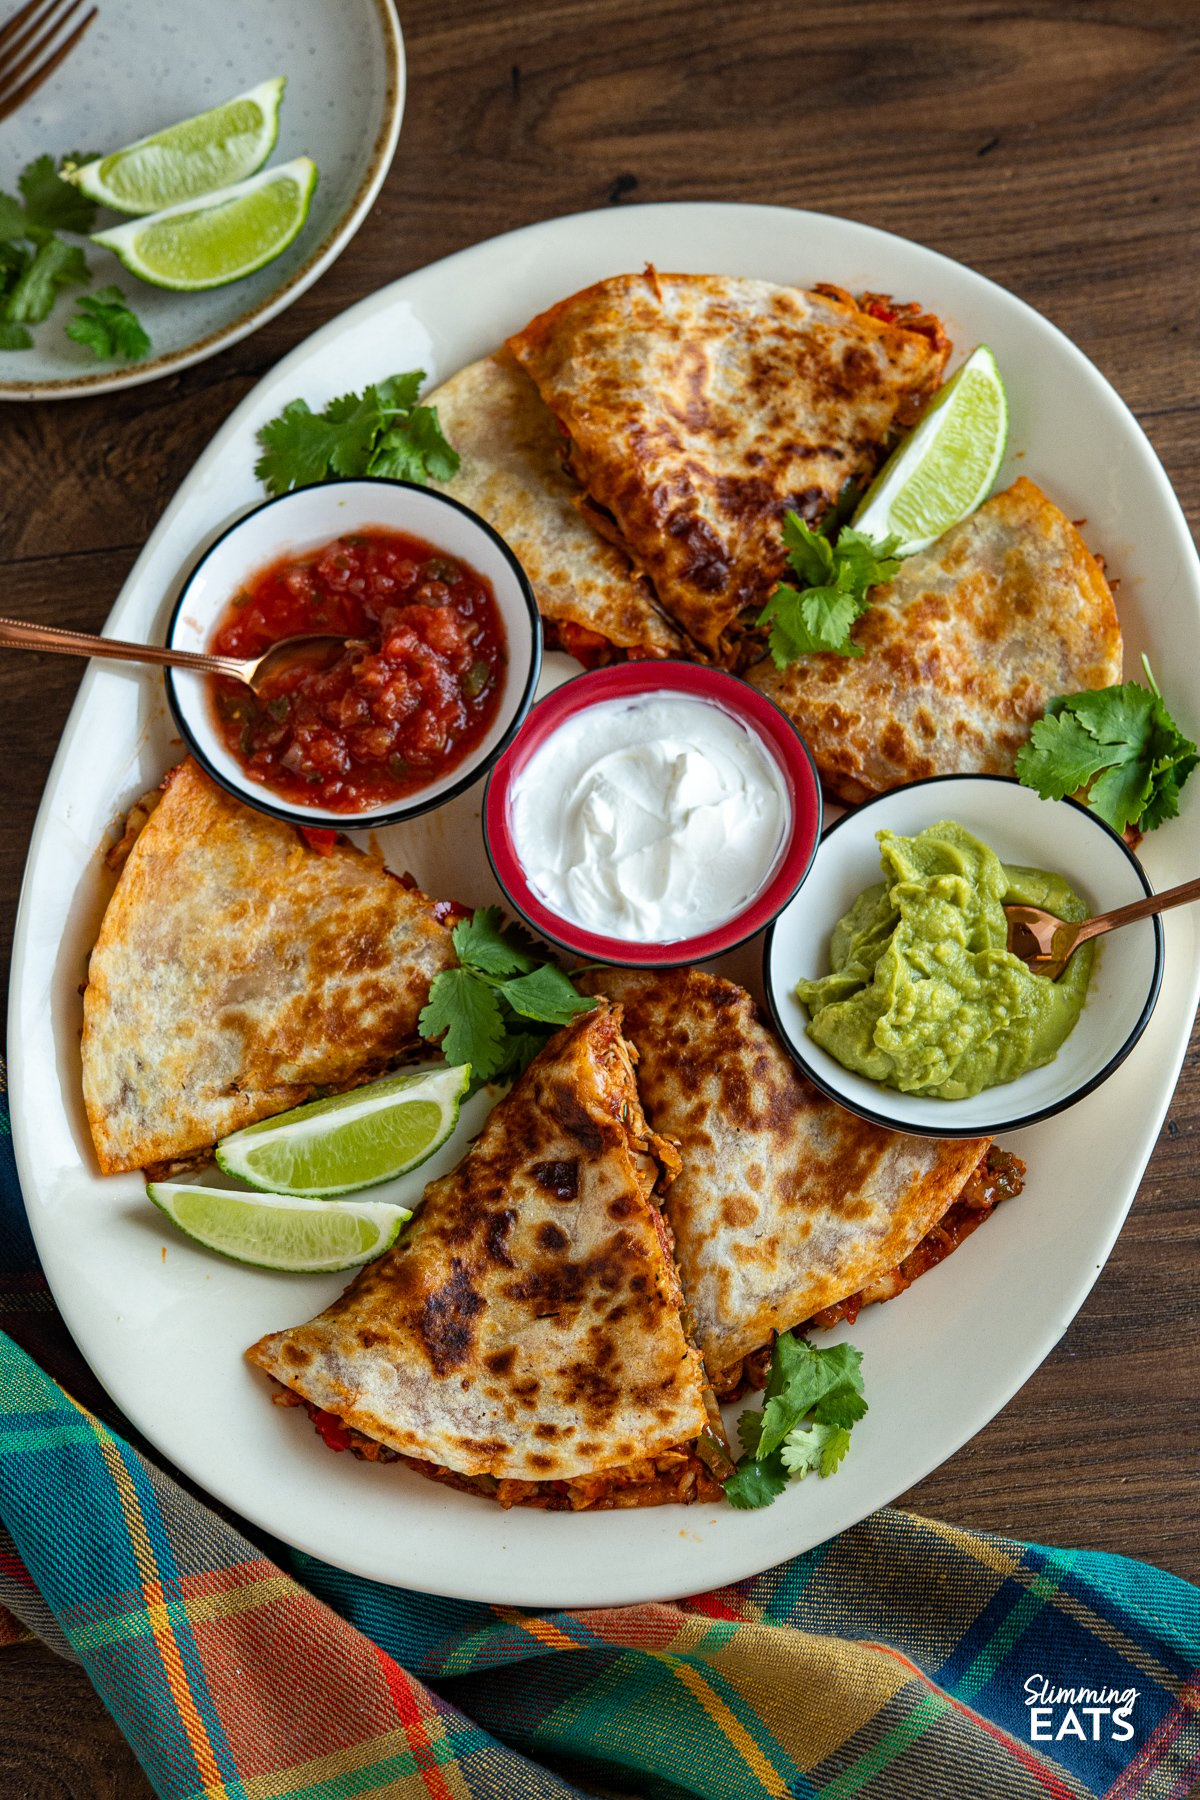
{"points": [[1059, 1712]]}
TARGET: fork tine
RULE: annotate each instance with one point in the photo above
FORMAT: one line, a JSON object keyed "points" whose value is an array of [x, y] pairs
{"points": [[11, 98], [23, 55], [21, 27]]}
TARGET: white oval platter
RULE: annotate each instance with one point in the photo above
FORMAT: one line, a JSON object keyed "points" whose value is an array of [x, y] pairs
{"points": [[164, 1324]]}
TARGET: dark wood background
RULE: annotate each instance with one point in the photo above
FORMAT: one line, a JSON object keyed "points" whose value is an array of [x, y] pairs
{"points": [[1055, 146]]}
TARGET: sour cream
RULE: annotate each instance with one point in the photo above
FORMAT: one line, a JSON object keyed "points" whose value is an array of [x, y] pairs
{"points": [[649, 820]]}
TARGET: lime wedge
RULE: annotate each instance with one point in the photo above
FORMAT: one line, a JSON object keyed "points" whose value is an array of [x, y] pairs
{"points": [[946, 465], [213, 150], [206, 243], [351, 1140], [273, 1231]]}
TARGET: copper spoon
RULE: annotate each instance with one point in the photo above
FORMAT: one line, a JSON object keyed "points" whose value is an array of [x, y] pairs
{"points": [[1046, 944], [252, 670]]}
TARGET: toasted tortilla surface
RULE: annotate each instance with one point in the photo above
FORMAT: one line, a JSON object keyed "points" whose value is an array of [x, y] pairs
{"points": [[960, 653], [785, 1203], [527, 1325], [701, 408], [512, 475], [237, 970]]}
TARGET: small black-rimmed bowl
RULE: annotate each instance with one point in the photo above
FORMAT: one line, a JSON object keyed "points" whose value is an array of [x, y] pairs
{"points": [[301, 522], [1058, 835], [759, 717]]}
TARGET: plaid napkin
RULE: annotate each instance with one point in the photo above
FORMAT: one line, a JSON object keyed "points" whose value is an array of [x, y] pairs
{"points": [[904, 1660]]}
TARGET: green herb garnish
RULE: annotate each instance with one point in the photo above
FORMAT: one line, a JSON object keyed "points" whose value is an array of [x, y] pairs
{"points": [[36, 265], [1117, 746], [500, 1006], [813, 1400], [105, 323], [381, 431], [834, 576]]}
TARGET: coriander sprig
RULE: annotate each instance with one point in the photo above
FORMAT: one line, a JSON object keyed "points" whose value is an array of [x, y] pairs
{"points": [[36, 264], [813, 1400], [834, 577], [382, 432], [1117, 746], [499, 1007]]}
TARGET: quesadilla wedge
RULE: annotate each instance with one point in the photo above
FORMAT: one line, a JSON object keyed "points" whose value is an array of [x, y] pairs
{"points": [[959, 654], [787, 1207], [512, 475], [524, 1339], [237, 971], [699, 409]]}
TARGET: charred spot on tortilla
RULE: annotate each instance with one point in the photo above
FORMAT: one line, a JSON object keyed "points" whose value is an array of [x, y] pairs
{"points": [[482, 1368]]}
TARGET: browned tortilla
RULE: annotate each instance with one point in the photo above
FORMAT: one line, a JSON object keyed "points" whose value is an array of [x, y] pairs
{"points": [[512, 475], [527, 1325], [237, 970], [786, 1202], [961, 653], [700, 408]]}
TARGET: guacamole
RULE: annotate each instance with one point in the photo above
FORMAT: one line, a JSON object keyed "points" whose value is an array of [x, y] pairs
{"points": [[923, 993]]}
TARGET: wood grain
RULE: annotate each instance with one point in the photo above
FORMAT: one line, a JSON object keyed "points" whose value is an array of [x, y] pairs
{"points": [[1051, 145]]}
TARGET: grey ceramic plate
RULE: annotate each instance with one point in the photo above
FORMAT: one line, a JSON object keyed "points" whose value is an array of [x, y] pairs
{"points": [[146, 63]]}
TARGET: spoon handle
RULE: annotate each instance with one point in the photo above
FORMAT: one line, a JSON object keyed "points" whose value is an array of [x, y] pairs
{"points": [[1139, 909], [19, 636]]}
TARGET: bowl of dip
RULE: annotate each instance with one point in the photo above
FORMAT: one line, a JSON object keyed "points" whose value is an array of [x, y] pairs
{"points": [[888, 976], [652, 813], [444, 659]]}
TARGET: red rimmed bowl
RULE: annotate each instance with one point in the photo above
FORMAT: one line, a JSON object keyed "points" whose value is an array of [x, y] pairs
{"points": [[774, 734]]}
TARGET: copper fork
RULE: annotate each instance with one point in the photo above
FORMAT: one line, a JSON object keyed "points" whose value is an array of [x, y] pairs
{"points": [[31, 47], [1046, 944]]}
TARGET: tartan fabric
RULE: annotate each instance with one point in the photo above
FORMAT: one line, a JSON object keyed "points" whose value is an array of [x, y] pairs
{"points": [[889, 1664]]}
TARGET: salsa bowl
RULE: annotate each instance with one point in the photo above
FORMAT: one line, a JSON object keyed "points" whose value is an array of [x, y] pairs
{"points": [[1057, 835], [300, 524]]}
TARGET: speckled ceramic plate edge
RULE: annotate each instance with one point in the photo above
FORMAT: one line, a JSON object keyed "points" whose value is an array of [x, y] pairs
{"points": [[326, 252]]}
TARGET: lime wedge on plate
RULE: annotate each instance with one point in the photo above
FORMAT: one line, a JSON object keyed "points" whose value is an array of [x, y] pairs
{"points": [[351, 1140], [946, 465], [213, 150], [273, 1231], [206, 243]]}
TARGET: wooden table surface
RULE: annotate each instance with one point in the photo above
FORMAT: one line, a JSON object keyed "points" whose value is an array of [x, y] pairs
{"points": [[1050, 144]]}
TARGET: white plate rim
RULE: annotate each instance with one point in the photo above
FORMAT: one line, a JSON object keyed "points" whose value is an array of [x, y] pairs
{"points": [[537, 1584], [71, 387]]}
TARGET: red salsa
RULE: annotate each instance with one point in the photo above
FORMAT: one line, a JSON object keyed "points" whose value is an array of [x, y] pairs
{"points": [[377, 722]]}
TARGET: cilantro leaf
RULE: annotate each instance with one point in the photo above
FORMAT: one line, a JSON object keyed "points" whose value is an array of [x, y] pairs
{"points": [[835, 579], [381, 432], [13, 223], [817, 1447], [106, 323], [812, 1401], [358, 418], [500, 1007], [546, 994], [52, 204], [14, 337], [398, 393], [467, 1011], [297, 448], [828, 1380], [755, 1484], [55, 265], [1118, 747], [481, 943]]}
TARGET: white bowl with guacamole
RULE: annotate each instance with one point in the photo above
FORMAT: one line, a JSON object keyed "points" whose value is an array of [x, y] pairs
{"points": [[889, 978]]}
